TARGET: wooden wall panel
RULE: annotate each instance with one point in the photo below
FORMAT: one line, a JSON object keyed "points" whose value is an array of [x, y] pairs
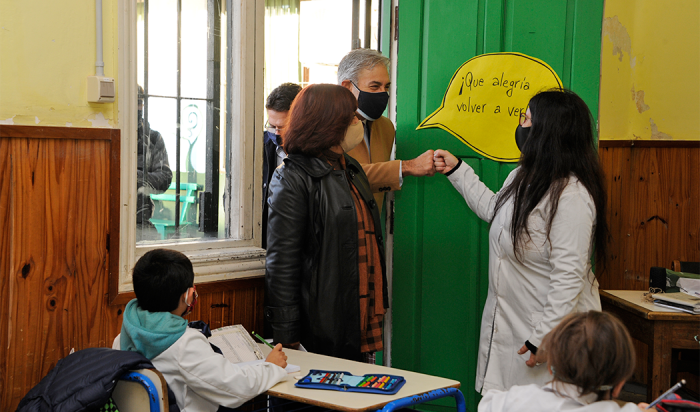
{"points": [[5, 239], [55, 243], [653, 213]]}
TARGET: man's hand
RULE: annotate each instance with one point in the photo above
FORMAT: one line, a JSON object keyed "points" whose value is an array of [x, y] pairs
{"points": [[422, 165], [277, 357]]}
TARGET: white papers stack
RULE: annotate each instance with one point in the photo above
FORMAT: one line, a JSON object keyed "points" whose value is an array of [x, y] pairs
{"points": [[679, 301], [689, 286], [239, 347]]}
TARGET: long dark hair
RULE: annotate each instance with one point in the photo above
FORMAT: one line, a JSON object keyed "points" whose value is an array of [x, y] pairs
{"points": [[560, 144], [318, 119]]}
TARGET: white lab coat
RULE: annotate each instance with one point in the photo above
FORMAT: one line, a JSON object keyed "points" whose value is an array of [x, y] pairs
{"points": [[201, 379], [527, 299], [531, 398]]}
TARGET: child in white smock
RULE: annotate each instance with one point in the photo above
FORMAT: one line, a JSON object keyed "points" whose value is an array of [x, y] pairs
{"points": [[590, 356], [153, 325]]}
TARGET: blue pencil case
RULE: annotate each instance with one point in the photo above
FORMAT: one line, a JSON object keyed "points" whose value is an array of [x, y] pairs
{"points": [[344, 381]]}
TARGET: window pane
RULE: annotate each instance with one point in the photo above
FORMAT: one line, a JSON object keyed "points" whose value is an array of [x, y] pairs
{"points": [[193, 140], [156, 155], [168, 212], [162, 47], [195, 32]]}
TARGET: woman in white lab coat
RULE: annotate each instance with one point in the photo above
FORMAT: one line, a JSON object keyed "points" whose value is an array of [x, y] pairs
{"points": [[546, 221], [590, 356]]}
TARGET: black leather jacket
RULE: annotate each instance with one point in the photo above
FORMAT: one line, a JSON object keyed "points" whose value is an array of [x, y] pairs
{"points": [[312, 281]]}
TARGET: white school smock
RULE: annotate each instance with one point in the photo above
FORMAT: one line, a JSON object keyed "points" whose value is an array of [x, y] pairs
{"points": [[202, 379], [562, 397], [529, 298]]}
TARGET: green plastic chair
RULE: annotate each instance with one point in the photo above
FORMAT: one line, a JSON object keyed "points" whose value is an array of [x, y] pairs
{"points": [[166, 227]]}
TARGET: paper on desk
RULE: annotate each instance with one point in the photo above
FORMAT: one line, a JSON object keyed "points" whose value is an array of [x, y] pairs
{"points": [[689, 286], [236, 344], [290, 368]]}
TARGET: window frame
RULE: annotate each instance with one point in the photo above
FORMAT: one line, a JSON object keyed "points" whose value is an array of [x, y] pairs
{"points": [[213, 260]]}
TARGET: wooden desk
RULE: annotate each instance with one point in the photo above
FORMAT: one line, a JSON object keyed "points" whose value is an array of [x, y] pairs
{"points": [[417, 384], [659, 328]]}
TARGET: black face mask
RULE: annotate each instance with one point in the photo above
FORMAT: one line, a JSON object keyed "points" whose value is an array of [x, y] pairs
{"points": [[371, 105], [521, 134], [275, 138]]}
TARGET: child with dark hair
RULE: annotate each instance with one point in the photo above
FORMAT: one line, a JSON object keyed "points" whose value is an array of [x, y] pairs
{"points": [[590, 356], [153, 325]]}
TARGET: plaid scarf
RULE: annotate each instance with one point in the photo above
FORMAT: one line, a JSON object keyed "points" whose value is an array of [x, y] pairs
{"points": [[369, 267], [371, 286]]}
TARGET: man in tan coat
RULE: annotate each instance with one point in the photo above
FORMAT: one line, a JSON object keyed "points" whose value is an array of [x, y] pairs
{"points": [[365, 73]]}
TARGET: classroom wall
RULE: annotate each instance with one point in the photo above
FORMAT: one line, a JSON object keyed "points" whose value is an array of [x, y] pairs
{"points": [[650, 84], [650, 141], [54, 196], [48, 51]]}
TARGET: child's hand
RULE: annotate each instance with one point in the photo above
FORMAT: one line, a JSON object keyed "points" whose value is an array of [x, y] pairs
{"points": [[444, 161], [643, 406], [277, 357]]}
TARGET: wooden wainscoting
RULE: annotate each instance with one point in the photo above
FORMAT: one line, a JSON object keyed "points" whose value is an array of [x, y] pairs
{"points": [[653, 213], [653, 208], [58, 235]]}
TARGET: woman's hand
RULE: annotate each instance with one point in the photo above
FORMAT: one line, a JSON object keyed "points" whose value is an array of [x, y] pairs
{"points": [[444, 161], [643, 406], [532, 362], [277, 357]]}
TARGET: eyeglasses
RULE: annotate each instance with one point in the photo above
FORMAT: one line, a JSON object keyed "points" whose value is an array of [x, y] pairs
{"points": [[273, 129], [523, 118]]}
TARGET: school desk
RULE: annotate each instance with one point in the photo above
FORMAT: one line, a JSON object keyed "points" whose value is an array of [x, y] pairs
{"points": [[419, 388], [661, 329]]}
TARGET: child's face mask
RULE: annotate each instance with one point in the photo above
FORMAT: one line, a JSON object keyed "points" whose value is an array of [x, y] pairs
{"points": [[190, 306]]}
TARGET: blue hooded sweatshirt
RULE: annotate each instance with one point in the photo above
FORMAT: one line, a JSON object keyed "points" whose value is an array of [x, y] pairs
{"points": [[149, 333]]}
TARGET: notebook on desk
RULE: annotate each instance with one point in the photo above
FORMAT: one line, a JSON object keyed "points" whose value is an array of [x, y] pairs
{"points": [[680, 301], [238, 347]]}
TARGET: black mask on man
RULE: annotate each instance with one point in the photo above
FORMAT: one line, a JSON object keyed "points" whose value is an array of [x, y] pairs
{"points": [[521, 134], [371, 105]]}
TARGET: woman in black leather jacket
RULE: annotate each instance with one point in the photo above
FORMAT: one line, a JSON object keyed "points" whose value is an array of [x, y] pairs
{"points": [[325, 256]]}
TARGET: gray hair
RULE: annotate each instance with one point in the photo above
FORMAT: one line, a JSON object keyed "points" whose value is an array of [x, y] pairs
{"points": [[357, 60]]}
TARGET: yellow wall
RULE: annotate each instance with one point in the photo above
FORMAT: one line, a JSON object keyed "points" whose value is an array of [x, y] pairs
{"points": [[650, 70], [47, 51]]}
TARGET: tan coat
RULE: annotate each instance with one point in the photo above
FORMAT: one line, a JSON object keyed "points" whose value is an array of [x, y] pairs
{"points": [[383, 175]]}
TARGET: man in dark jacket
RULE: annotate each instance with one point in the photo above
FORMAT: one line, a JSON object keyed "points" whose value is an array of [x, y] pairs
{"points": [[278, 103], [153, 174]]}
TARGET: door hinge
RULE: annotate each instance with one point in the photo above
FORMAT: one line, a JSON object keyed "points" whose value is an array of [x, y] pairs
{"points": [[396, 23]]}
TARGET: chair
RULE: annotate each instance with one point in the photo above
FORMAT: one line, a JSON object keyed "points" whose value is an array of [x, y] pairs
{"points": [[166, 227], [141, 390], [688, 267]]}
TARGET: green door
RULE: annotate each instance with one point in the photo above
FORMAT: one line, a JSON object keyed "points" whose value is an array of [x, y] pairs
{"points": [[440, 247]]}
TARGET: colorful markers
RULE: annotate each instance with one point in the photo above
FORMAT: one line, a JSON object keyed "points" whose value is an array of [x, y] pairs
{"points": [[379, 382]]}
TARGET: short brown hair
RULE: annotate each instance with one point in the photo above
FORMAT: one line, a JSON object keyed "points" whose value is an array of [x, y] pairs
{"points": [[591, 350], [281, 98], [318, 119]]}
